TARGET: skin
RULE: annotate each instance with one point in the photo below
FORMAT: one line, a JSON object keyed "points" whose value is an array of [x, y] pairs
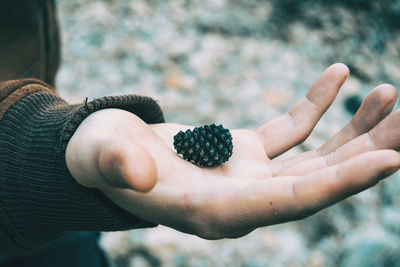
{"points": [[135, 165]]}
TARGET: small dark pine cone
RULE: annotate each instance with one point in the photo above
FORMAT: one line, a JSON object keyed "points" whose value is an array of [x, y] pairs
{"points": [[206, 146]]}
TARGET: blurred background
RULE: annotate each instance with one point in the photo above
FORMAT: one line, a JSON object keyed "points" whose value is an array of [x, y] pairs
{"points": [[242, 63]]}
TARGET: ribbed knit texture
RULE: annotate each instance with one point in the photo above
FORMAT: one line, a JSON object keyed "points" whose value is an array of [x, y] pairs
{"points": [[39, 199]]}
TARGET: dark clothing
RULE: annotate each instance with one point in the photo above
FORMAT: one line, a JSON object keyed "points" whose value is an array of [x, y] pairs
{"points": [[72, 250], [29, 40], [39, 199]]}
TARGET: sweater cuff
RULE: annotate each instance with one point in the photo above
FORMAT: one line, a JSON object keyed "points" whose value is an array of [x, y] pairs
{"points": [[39, 199]]}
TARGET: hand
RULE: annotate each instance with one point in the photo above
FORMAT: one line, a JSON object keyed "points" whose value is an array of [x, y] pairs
{"points": [[115, 151]]}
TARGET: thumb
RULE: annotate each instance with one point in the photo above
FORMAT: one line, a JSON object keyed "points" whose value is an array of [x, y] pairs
{"points": [[126, 164]]}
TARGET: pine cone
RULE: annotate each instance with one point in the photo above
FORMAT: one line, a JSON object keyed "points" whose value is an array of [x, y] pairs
{"points": [[206, 146]]}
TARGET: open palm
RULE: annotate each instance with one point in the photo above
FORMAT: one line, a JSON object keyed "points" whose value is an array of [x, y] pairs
{"points": [[250, 190]]}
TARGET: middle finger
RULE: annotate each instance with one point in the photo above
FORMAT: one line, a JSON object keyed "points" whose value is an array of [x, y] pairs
{"points": [[375, 107], [386, 135]]}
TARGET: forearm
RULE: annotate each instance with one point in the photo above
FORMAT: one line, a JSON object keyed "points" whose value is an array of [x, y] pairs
{"points": [[39, 199]]}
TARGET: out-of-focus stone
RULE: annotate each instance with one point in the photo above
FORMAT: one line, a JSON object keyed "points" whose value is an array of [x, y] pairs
{"points": [[278, 96], [178, 80], [391, 219], [240, 63], [371, 247], [116, 244]]}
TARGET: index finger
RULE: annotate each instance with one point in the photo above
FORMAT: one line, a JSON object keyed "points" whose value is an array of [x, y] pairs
{"points": [[282, 133]]}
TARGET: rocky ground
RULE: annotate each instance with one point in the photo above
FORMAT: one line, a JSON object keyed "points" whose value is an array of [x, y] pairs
{"points": [[208, 62]]}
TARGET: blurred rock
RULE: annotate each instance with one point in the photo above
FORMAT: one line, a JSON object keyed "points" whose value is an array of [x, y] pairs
{"points": [[242, 63], [391, 219], [277, 97], [352, 103], [370, 247]]}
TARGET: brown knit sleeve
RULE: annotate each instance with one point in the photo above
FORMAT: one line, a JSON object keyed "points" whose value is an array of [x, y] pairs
{"points": [[39, 199]]}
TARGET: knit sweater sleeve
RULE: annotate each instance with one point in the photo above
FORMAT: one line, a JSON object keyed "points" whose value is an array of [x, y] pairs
{"points": [[39, 199]]}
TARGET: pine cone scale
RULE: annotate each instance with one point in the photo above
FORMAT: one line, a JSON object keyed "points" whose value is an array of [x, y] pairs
{"points": [[206, 146]]}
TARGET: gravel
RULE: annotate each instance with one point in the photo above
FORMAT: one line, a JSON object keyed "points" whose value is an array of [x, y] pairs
{"points": [[208, 61]]}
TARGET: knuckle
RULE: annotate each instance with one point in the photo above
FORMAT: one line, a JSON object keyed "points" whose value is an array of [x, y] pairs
{"points": [[207, 216], [211, 230], [211, 225], [329, 160], [303, 209], [189, 206]]}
